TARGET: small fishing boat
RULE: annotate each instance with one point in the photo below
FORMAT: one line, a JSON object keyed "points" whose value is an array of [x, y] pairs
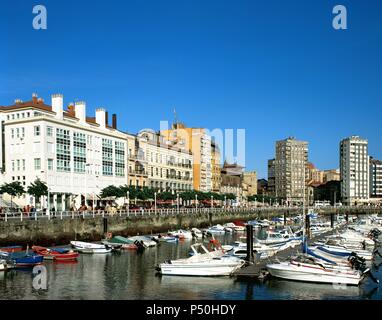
{"points": [[181, 234], [56, 254], [119, 242], [338, 252], [11, 249], [196, 233], [217, 229], [204, 263], [87, 247], [165, 238], [145, 241], [22, 259]]}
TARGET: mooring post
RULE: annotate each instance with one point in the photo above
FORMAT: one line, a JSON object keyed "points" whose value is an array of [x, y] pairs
{"points": [[104, 225], [332, 220], [285, 216], [347, 218], [307, 225], [249, 257]]}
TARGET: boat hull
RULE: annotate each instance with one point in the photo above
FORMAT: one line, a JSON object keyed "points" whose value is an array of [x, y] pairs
{"points": [[289, 272], [198, 269]]}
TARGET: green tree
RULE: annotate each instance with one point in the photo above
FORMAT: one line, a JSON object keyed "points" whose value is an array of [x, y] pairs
{"points": [[13, 189], [38, 189], [112, 191]]}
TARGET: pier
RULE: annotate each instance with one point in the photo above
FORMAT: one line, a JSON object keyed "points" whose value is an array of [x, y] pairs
{"points": [[257, 270]]}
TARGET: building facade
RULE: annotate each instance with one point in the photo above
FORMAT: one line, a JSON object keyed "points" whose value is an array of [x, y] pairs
{"points": [[332, 175], [197, 142], [232, 180], [271, 188], [249, 183], [375, 178], [75, 155], [216, 166], [291, 169], [169, 167], [354, 170]]}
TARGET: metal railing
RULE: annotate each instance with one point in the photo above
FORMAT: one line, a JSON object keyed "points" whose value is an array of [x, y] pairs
{"points": [[60, 215]]}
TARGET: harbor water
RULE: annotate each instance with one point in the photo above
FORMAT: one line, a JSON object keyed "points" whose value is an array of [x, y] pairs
{"points": [[130, 275]]}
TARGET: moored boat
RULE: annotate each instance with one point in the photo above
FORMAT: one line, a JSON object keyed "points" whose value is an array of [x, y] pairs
{"points": [[205, 263], [310, 270], [56, 254], [22, 259], [87, 247], [11, 249]]}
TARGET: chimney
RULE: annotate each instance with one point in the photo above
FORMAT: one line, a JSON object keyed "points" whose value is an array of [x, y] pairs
{"points": [[101, 117], [71, 109], [18, 101], [58, 105], [80, 111], [114, 121], [34, 98]]}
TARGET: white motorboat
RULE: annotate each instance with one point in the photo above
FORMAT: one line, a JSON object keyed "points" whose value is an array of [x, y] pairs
{"points": [[338, 252], [87, 247], [196, 233], [205, 263], [146, 241], [312, 271], [218, 229], [231, 227], [181, 234]]}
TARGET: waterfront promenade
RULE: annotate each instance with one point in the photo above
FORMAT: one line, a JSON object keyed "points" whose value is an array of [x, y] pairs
{"points": [[63, 227]]}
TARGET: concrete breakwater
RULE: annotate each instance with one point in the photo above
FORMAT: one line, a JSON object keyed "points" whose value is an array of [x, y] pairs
{"points": [[60, 232]]}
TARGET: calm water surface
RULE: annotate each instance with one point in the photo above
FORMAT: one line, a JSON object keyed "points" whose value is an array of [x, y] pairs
{"points": [[129, 275]]}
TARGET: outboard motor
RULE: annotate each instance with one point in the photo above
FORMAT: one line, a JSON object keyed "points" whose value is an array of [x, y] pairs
{"points": [[140, 246], [357, 262]]}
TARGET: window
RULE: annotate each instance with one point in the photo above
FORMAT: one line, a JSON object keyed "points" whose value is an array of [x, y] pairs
{"points": [[50, 164], [23, 164], [37, 164], [79, 152], [22, 132], [107, 157], [49, 131], [63, 150], [36, 130], [13, 165], [18, 165], [17, 132], [13, 133], [119, 159]]}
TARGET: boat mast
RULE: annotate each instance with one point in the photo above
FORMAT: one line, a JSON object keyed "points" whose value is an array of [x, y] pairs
{"points": [[304, 216]]}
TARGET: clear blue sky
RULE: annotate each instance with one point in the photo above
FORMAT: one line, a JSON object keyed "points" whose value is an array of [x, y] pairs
{"points": [[274, 68]]}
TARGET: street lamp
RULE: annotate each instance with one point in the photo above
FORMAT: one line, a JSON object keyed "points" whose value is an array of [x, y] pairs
{"points": [[48, 204], [212, 202], [128, 201], [225, 201], [155, 202], [177, 202], [196, 202]]}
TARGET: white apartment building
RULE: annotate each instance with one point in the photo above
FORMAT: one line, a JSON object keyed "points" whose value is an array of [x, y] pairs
{"points": [[168, 167], [375, 178], [75, 155], [354, 170]]}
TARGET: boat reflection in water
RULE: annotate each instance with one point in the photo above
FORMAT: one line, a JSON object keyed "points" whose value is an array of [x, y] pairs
{"points": [[200, 287], [286, 289]]}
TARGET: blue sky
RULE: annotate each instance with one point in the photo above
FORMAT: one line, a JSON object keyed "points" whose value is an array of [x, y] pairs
{"points": [[274, 68]]}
